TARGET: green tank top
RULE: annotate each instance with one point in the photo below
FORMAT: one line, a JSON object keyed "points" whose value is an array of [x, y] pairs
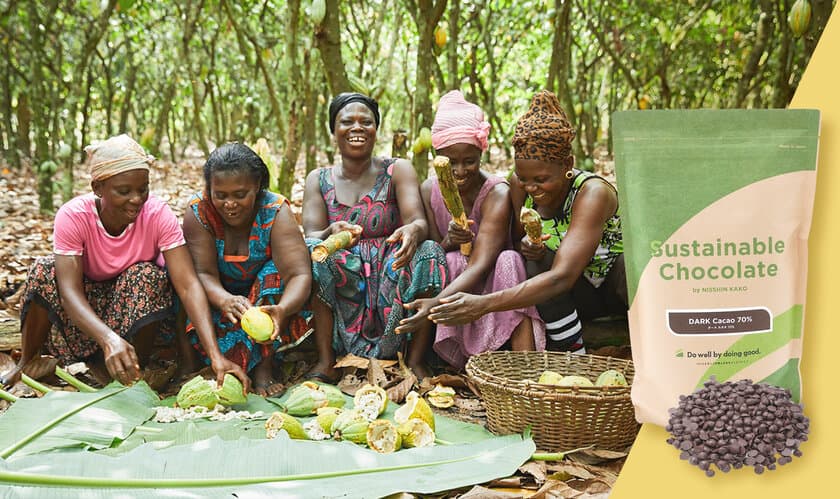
{"points": [[611, 245]]}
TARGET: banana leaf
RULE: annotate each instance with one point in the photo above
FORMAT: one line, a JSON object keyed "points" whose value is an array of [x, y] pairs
{"points": [[113, 415], [263, 468], [202, 458]]}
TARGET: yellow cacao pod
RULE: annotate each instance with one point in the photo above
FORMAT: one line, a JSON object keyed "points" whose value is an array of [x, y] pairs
{"points": [[257, 324], [799, 17], [440, 36]]}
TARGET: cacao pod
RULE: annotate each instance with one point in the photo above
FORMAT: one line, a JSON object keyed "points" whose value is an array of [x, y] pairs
{"points": [[799, 17], [306, 398], [550, 378], [611, 377], [257, 324], [441, 396], [440, 36], [197, 392], [231, 392], [415, 407], [574, 381], [326, 417], [383, 437], [317, 11], [426, 137], [281, 421], [371, 400], [416, 433], [352, 426]]}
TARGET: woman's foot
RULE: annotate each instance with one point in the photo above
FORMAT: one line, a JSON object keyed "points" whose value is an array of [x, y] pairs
{"points": [[420, 370], [324, 372], [263, 381], [9, 378]]}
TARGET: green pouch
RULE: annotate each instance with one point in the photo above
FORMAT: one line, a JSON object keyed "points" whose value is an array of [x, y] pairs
{"points": [[716, 211]]}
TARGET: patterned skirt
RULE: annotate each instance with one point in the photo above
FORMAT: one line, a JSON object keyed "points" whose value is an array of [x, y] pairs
{"points": [[367, 296], [141, 295], [234, 342]]}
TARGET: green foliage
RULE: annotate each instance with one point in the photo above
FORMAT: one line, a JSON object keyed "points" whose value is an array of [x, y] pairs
{"points": [[176, 74]]}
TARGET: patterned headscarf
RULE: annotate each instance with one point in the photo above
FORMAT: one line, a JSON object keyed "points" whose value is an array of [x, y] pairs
{"points": [[341, 100], [116, 155], [458, 121], [544, 132]]}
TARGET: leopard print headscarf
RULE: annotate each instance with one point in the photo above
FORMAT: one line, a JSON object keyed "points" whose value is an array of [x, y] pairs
{"points": [[544, 132]]}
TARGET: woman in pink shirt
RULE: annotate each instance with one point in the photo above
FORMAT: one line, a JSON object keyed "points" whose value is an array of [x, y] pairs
{"points": [[103, 293]]}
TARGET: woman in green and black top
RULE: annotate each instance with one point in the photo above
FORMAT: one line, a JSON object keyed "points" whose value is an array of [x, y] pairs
{"points": [[578, 271]]}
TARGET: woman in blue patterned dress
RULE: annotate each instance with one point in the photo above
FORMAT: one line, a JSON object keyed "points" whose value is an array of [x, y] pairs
{"points": [[248, 251], [361, 291]]}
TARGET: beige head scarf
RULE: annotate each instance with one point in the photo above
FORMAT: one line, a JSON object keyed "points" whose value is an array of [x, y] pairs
{"points": [[116, 155]]}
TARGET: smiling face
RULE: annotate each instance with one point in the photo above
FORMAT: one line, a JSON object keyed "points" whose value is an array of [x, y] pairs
{"points": [[545, 182], [121, 197], [465, 161], [234, 195], [355, 131]]}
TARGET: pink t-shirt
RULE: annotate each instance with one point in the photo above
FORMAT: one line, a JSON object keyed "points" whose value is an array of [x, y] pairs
{"points": [[79, 231]]}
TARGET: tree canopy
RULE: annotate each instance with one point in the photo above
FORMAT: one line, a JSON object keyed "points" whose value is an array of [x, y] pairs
{"points": [[204, 72]]}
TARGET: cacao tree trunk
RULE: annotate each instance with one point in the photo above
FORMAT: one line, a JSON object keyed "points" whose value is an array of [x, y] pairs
{"points": [[426, 14], [40, 120], [764, 31], [328, 41], [310, 116], [24, 122], [11, 146], [291, 150], [452, 46]]}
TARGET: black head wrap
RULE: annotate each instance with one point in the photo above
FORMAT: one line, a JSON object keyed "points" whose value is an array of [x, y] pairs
{"points": [[345, 98]]}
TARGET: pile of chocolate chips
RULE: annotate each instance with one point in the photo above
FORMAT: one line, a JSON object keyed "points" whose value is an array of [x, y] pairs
{"points": [[735, 424]]}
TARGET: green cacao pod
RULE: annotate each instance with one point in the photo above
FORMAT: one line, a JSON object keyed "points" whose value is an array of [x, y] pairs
{"points": [[799, 17], [197, 392], [351, 425], [426, 137], [281, 421], [326, 417], [306, 398], [317, 11], [231, 392], [611, 377]]}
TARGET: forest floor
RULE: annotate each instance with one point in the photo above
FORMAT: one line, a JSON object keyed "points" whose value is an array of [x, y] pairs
{"points": [[25, 235]]}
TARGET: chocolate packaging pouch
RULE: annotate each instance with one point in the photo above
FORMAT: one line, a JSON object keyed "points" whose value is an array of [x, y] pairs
{"points": [[716, 211]]}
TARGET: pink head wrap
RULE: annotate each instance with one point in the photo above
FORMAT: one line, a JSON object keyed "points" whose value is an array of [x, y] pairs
{"points": [[458, 121]]}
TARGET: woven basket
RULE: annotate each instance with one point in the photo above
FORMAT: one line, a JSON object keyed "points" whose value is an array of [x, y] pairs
{"points": [[561, 418]]}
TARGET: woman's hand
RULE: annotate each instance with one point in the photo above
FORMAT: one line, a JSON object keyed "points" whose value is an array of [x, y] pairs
{"points": [[460, 308], [409, 237], [533, 251], [458, 235], [355, 230], [234, 306], [121, 360], [421, 307], [222, 366]]}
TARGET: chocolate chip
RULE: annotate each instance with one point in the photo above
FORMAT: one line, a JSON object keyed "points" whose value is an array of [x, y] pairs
{"points": [[734, 424]]}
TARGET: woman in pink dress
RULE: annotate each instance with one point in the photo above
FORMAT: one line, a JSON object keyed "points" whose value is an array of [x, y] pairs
{"points": [[460, 133], [119, 258]]}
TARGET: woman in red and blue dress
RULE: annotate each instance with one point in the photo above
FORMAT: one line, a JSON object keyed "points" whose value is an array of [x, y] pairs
{"points": [[248, 251]]}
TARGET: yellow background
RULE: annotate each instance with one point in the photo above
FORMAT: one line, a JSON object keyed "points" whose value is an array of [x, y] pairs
{"points": [[653, 468]]}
